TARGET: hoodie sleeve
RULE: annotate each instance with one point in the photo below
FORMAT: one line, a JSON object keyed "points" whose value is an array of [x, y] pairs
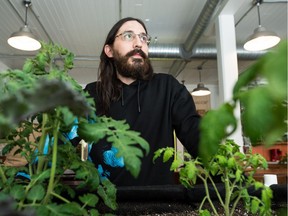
{"points": [[185, 119]]}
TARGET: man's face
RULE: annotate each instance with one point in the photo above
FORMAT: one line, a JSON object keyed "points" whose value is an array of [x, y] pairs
{"points": [[130, 56]]}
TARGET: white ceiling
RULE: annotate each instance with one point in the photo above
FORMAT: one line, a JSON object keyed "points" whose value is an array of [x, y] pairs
{"points": [[82, 25]]}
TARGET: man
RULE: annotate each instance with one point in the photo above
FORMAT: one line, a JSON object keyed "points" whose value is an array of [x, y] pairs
{"points": [[153, 104]]}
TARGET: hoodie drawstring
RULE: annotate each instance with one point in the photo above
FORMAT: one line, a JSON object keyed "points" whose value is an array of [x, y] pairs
{"points": [[122, 97], [138, 96]]}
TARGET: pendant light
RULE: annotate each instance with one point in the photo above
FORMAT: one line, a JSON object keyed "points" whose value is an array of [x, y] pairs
{"points": [[261, 39], [24, 39], [200, 90]]}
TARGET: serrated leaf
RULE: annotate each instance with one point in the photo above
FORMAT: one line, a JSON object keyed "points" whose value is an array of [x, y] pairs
{"points": [[176, 164], [222, 160], [42, 176], [108, 193], [214, 168], [191, 171], [130, 144], [238, 175], [89, 199], [258, 185], [72, 208], [94, 212], [254, 206], [266, 196], [168, 153], [36, 193], [231, 163], [158, 153], [17, 192]]}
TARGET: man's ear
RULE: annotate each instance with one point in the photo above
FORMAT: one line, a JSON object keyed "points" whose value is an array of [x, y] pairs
{"points": [[108, 51]]}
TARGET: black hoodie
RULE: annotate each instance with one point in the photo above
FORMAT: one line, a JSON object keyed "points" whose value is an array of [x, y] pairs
{"points": [[155, 108]]}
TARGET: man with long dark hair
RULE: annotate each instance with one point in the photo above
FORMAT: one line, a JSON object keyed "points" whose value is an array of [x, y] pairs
{"points": [[153, 104]]}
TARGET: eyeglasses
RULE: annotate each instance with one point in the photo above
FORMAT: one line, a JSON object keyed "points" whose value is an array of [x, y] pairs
{"points": [[129, 36]]}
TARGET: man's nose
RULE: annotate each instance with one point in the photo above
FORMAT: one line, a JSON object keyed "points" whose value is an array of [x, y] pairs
{"points": [[137, 42]]}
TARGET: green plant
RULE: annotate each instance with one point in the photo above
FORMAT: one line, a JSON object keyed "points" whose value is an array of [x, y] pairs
{"points": [[264, 107], [39, 106], [264, 116], [232, 165]]}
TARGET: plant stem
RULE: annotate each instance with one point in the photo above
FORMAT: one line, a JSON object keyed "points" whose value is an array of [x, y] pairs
{"points": [[216, 190], [41, 158], [202, 203], [54, 157], [60, 197], [227, 195], [2, 174], [208, 194], [235, 204]]}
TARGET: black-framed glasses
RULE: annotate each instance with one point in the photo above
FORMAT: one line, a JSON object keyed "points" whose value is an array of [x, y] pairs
{"points": [[130, 36]]}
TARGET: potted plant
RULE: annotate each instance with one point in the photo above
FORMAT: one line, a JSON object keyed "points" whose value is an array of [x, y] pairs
{"points": [[232, 166], [40, 107]]}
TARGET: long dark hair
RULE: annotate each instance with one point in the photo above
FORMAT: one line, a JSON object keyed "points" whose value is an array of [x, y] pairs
{"points": [[109, 87]]}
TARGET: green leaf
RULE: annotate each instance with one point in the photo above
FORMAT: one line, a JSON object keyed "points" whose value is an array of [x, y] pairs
{"points": [[238, 175], [269, 122], [108, 193], [231, 163], [266, 196], [41, 177], [176, 164], [191, 171], [214, 168], [158, 153], [222, 160], [244, 79], [28, 65], [210, 139], [254, 206], [94, 212], [130, 144], [204, 212], [17, 192], [258, 185], [169, 152], [36, 193], [274, 68], [72, 208], [89, 199], [46, 95]]}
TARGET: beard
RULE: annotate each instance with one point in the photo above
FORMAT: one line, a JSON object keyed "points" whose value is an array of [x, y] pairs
{"points": [[140, 69]]}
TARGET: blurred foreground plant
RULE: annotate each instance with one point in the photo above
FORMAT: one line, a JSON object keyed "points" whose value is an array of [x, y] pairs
{"points": [[264, 114]]}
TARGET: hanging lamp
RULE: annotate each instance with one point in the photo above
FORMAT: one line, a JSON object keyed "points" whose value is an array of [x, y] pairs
{"points": [[200, 90], [261, 39], [24, 39]]}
